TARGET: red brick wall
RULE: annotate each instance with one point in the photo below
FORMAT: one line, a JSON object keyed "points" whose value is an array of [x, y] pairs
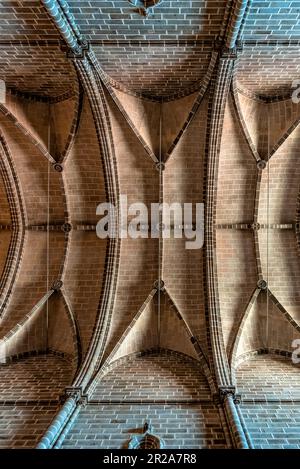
{"points": [[148, 378], [270, 377], [24, 385]]}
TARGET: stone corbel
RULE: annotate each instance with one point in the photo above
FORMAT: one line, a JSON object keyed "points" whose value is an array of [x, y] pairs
{"points": [[76, 54], [74, 393]]}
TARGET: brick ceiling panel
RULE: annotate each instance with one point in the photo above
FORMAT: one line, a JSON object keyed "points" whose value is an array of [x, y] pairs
{"points": [[50, 375], [145, 116], [39, 70], [279, 190], [236, 174], [279, 257], [84, 270], [268, 376], [32, 170], [119, 19], [158, 71], [33, 276], [25, 19], [273, 20], [236, 277], [268, 70]]}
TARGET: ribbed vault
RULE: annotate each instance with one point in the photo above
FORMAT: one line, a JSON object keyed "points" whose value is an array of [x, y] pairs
{"points": [[181, 105]]}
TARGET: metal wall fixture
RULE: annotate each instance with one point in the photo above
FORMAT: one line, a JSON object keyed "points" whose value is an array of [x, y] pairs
{"points": [[142, 6], [147, 440]]}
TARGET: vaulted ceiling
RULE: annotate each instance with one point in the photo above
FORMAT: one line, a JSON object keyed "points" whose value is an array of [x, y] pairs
{"points": [[188, 101], [158, 55]]}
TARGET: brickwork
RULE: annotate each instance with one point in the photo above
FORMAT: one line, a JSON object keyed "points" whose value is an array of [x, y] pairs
{"points": [[61, 121], [37, 378], [264, 379], [61, 331], [147, 378], [183, 276], [174, 115], [155, 71], [236, 175], [33, 115], [5, 216], [171, 332], [281, 116], [267, 326], [145, 116], [140, 334], [32, 171], [86, 259], [219, 91], [254, 333], [138, 180], [5, 238], [23, 426], [182, 269], [282, 196], [273, 426], [38, 70], [236, 277], [118, 20], [175, 333], [33, 276], [283, 268], [84, 172], [179, 378], [183, 176], [272, 20], [268, 70], [164, 87], [29, 393], [25, 20], [132, 161], [181, 426], [133, 286]]}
